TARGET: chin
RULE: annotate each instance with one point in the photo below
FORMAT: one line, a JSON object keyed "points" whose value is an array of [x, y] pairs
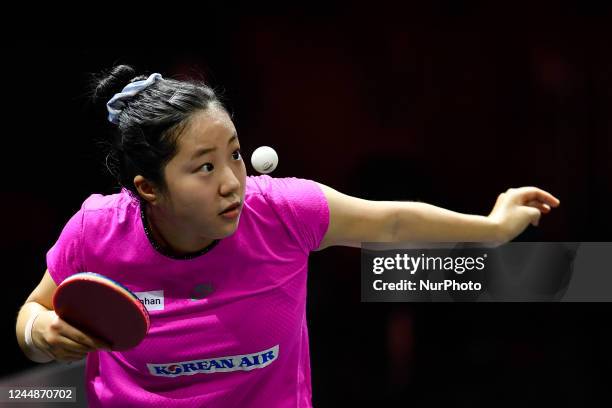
{"points": [[228, 231]]}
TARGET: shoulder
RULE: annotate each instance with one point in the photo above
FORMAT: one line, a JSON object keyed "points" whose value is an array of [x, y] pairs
{"points": [[110, 209], [282, 189], [285, 195], [96, 201], [299, 205]]}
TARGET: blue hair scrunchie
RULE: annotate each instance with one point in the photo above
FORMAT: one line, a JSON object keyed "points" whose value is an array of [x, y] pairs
{"points": [[117, 103]]}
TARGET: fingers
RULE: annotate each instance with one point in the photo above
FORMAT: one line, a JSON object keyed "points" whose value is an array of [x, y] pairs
{"points": [[64, 342], [79, 340], [544, 208], [73, 346], [534, 215], [65, 349], [67, 356], [530, 194]]}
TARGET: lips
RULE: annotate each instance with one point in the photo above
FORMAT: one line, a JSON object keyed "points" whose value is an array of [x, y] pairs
{"points": [[230, 208]]}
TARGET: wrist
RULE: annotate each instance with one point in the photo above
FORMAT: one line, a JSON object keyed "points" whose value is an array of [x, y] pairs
{"points": [[497, 231], [34, 353]]}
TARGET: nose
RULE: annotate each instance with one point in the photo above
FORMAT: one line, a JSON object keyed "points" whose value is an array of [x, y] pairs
{"points": [[229, 182]]}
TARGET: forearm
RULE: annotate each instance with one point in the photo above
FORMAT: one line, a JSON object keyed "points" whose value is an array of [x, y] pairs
{"points": [[421, 222], [26, 311]]}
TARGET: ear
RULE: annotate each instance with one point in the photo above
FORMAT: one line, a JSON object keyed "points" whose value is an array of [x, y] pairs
{"points": [[146, 190]]}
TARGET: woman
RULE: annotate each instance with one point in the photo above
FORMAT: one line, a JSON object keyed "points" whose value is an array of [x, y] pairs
{"points": [[227, 255]]}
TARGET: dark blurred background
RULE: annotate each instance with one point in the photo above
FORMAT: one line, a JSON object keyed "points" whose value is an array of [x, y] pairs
{"points": [[450, 103]]}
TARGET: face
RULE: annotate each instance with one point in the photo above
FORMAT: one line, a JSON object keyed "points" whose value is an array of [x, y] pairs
{"points": [[205, 176]]}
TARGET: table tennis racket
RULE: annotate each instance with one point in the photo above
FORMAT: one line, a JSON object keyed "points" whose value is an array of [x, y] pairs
{"points": [[102, 308]]}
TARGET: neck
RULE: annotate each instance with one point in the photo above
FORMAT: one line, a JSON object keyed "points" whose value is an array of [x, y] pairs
{"points": [[171, 239]]}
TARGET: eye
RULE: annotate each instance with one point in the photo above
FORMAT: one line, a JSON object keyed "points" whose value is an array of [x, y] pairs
{"points": [[207, 166], [237, 155]]}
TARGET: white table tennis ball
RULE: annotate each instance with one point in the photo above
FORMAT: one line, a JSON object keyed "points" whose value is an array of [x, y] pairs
{"points": [[264, 159]]}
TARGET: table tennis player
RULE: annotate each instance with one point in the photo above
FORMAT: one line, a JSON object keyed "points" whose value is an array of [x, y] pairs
{"points": [[219, 258]]}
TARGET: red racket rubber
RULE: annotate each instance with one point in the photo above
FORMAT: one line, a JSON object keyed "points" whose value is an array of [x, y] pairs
{"points": [[103, 308]]}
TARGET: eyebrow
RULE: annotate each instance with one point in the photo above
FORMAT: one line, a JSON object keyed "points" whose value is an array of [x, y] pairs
{"points": [[201, 152]]}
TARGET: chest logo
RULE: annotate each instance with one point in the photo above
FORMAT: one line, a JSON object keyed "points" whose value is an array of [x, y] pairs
{"points": [[242, 362], [202, 290]]}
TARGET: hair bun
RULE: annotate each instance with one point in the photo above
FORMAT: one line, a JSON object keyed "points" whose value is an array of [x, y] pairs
{"points": [[108, 83]]}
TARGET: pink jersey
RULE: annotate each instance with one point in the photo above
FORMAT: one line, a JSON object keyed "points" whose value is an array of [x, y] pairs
{"points": [[228, 327]]}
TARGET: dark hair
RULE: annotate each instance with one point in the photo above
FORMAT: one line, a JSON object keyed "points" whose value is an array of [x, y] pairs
{"points": [[145, 138]]}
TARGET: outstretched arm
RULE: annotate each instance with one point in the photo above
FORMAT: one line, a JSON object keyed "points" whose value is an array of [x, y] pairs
{"points": [[354, 220]]}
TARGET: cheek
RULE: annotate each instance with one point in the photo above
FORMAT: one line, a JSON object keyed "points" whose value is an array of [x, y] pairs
{"points": [[202, 196], [242, 175], [193, 196]]}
